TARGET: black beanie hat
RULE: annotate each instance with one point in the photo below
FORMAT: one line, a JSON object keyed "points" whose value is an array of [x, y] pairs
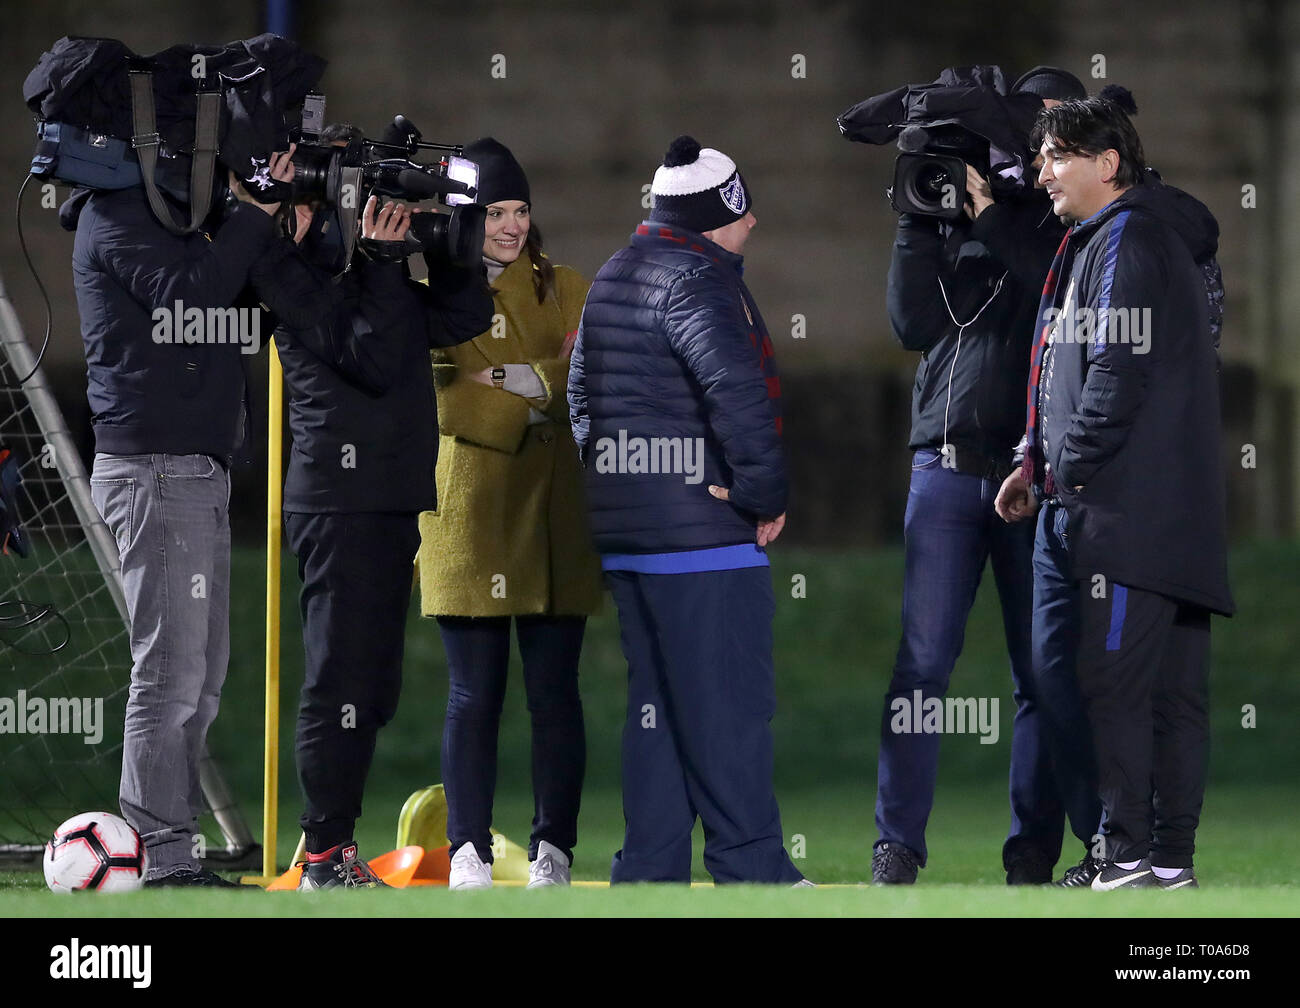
{"points": [[500, 176], [698, 188], [1050, 82]]}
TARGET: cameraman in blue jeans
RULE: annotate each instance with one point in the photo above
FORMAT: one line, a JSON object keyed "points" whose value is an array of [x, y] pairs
{"points": [[964, 293]]}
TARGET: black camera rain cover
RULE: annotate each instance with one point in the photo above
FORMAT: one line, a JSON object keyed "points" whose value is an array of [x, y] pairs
{"points": [[83, 81], [973, 97]]}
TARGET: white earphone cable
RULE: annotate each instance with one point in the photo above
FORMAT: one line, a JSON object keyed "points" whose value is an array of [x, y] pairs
{"points": [[961, 330]]}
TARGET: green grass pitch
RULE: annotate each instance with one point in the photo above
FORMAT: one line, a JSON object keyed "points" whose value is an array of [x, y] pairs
{"points": [[1251, 873], [834, 653]]}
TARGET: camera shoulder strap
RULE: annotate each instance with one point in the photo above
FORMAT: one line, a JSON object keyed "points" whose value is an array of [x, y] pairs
{"points": [[146, 139]]}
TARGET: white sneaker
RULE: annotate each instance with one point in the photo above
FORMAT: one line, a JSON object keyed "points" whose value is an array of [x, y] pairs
{"points": [[551, 868], [804, 883], [468, 870]]}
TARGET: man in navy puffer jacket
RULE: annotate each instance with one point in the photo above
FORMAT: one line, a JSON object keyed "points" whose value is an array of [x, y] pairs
{"points": [[675, 407]]}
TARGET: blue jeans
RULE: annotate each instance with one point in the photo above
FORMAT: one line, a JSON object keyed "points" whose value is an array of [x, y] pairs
{"points": [[170, 517], [1056, 630], [951, 531]]}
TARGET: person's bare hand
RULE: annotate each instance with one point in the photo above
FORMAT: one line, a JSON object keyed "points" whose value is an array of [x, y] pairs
{"points": [[978, 194], [282, 166], [389, 224], [768, 528], [1015, 501], [566, 348]]}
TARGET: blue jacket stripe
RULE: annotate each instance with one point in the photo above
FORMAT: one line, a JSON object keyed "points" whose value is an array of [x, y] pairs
{"points": [[1108, 278], [1118, 607]]}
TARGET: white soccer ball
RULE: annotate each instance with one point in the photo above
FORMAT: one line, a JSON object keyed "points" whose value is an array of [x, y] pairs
{"points": [[95, 852]]}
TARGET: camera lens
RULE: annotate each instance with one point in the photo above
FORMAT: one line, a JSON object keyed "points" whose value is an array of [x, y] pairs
{"points": [[930, 182], [311, 164], [454, 238]]}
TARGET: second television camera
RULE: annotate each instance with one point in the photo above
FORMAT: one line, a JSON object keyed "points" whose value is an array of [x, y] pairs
{"points": [[930, 173], [343, 178], [966, 117]]}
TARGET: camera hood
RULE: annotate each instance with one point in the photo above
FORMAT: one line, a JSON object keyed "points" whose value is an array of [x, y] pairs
{"points": [[973, 99]]}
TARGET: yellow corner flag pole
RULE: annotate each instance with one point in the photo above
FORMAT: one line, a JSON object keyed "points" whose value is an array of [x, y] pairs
{"points": [[274, 500]]}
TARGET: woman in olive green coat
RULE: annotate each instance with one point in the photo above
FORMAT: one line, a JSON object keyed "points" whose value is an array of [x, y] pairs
{"points": [[510, 538]]}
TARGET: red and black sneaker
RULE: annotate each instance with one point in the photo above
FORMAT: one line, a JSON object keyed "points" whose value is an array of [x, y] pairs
{"points": [[338, 866]]}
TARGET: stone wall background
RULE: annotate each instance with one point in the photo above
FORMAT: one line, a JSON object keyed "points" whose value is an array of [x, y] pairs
{"points": [[593, 93]]}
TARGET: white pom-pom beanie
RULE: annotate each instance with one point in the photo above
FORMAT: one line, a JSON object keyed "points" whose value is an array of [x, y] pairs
{"points": [[698, 188]]}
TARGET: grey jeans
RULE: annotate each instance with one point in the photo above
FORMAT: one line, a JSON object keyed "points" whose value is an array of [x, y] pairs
{"points": [[170, 517]]}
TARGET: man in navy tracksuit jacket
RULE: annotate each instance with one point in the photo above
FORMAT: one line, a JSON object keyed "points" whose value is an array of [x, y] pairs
{"points": [[1123, 451], [675, 408]]}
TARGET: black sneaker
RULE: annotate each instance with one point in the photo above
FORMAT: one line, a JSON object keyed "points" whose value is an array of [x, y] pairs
{"points": [[338, 867], [1185, 879], [190, 877], [1030, 868], [1112, 876], [894, 864], [1080, 876]]}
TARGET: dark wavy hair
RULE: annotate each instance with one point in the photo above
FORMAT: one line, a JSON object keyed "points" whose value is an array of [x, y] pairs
{"points": [[543, 271], [1089, 126]]}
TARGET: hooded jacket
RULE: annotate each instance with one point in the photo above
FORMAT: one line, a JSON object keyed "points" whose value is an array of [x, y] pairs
{"points": [[1129, 403]]}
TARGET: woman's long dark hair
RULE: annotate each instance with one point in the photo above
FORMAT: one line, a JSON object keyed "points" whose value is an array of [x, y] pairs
{"points": [[543, 271]]}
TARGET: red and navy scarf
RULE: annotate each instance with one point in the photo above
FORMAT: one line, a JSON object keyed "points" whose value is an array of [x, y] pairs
{"points": [[759, 338], [1034, 466]]}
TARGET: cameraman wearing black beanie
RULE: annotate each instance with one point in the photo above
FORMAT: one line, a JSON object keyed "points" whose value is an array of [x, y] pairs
{"points": [[964, 294]]}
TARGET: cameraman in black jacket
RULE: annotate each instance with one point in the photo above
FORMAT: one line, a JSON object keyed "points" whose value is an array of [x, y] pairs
{"points": [[165, 397], [965, 294], [355, 351]]}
